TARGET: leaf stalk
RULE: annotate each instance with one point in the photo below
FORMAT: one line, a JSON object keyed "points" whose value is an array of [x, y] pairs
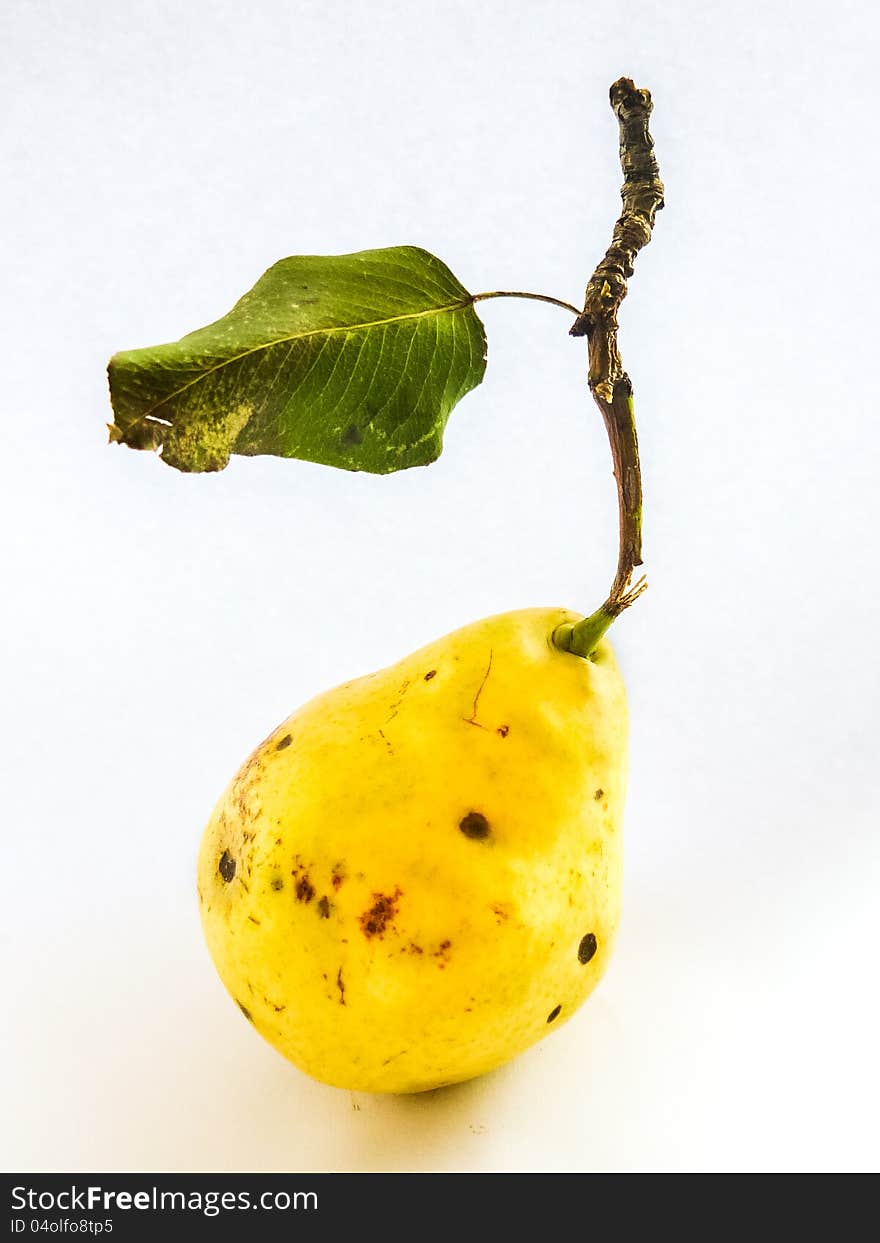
{"points": [[517, 293]]}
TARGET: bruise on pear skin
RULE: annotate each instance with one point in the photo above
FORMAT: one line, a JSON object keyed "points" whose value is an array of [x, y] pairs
{"points": [[305, 890], [376, 918], [442, 954], [245, 787], [303, 887]]}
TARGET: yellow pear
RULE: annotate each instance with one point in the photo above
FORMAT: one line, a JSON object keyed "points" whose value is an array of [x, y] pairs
{"points": [[417, 875]]}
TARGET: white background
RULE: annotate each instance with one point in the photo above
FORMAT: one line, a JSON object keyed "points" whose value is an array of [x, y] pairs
{"points": [[156, 626]]}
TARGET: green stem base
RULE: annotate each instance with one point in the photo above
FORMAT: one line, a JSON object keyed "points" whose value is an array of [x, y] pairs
{"points": [[582, 638]]}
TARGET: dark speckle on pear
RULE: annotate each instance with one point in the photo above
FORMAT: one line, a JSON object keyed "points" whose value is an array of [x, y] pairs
{"points": [[226, 866], [474, 825], [587, 948]]}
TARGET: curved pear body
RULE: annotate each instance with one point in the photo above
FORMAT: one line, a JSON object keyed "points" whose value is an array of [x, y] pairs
{"points": [[417, 875]]}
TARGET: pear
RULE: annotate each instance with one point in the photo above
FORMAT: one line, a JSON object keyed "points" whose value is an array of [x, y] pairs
{"points": [[417, 876]]}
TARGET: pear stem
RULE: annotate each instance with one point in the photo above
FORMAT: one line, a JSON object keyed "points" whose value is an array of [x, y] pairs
{"points": [[642, 196]]}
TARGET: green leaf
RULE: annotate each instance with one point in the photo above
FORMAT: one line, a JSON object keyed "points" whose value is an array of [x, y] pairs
{"points": [[350, 360]]}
